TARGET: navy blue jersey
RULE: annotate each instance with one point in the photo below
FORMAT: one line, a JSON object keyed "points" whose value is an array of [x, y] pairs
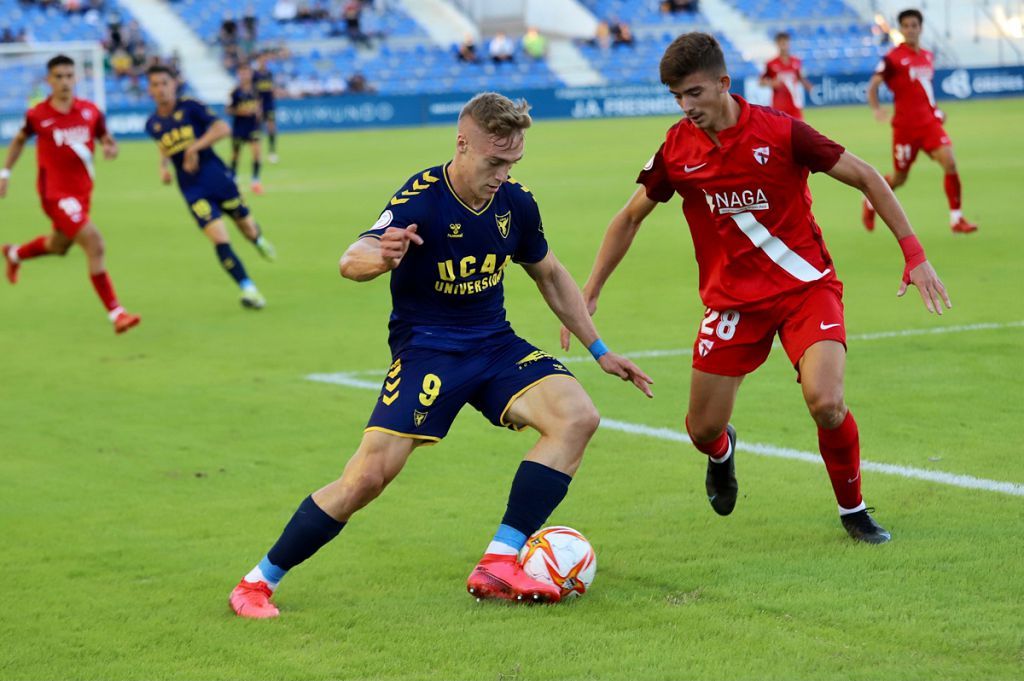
{"points": [[448, 293], [263, 82], [174, 133], [245, 108]]}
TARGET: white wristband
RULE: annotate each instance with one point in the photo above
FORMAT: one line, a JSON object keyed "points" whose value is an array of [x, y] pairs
{"points": [[5, 173]]}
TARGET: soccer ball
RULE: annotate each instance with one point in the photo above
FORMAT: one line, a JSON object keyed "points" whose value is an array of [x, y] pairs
{"points": [[560, 556]]}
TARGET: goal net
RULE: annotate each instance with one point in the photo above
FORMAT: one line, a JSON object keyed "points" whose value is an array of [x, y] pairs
{"points": [[23, 73]]}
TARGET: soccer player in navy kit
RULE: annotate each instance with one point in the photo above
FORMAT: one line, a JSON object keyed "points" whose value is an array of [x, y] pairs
{"points": [[245, 111], [263, 81], [185, 132], [448, 237]]}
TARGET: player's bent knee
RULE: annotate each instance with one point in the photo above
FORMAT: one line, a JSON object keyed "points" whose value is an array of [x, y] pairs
{"points": [[827, 410], [705, 431]]}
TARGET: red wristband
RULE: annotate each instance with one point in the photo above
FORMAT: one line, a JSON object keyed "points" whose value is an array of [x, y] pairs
{"points": [[913, 255]]}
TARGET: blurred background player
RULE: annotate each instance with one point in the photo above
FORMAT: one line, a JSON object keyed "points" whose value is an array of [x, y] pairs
{"points": [[185, 132], [446, 239], [67, 129], [244, 109], [763, 266], [263, 80], [907, 71], [785, 76]]}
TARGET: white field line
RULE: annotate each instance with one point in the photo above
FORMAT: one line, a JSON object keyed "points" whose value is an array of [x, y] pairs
{"points": [[351, 380]]}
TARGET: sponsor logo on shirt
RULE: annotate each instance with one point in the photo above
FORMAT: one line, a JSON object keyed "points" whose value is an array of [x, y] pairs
{"points": [[66, 137], [729, 203]]}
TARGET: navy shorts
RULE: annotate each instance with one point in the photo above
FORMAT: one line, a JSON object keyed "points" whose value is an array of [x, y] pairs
{"points": [[217, 195], [245, 131], [424, 389]]}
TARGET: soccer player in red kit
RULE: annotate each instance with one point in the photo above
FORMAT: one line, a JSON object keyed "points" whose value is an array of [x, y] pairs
{"points": [[763, 266], [908, 70], [785, 76], [67, 129]]}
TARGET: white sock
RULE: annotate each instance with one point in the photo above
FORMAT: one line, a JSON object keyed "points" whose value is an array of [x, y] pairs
{"points": [[955, 216], [256, 575], [847, 511], [501, 548], [12, 255], [112, 314], [724, 457]]}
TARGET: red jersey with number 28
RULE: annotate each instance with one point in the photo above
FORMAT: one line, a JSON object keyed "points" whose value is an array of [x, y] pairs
{"points": [[747, 204], [65, 147], [909, 73]]}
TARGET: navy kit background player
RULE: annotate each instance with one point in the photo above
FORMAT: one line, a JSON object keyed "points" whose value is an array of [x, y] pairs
{"points": [[448, 238], [245, 112], [263, 81], [185, 132]]}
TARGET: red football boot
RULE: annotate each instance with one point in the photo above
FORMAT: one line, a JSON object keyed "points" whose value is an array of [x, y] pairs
{"points": [[252, 599], [961, 227], [12, 267], [501, 576], [125, 321], [867, 216]]}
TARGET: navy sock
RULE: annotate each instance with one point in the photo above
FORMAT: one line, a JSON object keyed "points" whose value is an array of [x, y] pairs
{"points": [[255, 171], [273, 142], [536, 492], [232, 265], [308, 530]]}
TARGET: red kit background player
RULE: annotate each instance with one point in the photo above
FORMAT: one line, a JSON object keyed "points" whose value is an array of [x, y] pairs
{"points": [[763, 267], [908, 71], [785, 76], [66, 129]]}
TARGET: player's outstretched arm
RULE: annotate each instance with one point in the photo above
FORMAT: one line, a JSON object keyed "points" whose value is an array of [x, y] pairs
{"points": [[565, 300], [13, 153], [370, 257], [918, 271], [617, 240], [880, 114]]}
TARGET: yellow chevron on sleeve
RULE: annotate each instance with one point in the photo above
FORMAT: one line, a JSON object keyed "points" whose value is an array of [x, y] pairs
{"points": [[409, 193], [395, 201], [428, 177], [419, 187], [388, 399]]}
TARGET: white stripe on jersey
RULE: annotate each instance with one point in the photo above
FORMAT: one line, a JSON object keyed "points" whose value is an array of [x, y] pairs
{"points": [[776, 249]]}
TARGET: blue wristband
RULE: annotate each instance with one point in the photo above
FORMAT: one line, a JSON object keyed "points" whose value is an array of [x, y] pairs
{"points": [[598, 349]]}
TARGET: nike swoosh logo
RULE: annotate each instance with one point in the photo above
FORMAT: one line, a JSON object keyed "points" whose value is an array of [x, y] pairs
{"points": [[690, 169], [46, 124], [825, 327], [853, 479]]}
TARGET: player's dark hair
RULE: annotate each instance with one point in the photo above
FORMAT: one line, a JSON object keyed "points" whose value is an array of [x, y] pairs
{"points": [[907, 13], [160, 68], [782, 35], [498, 115], [59, 60], [691, 53]]}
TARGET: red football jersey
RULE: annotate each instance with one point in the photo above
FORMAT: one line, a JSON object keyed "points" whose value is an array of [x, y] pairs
{"points": [[65, 147], [788, 94], [747, 204], [908, 73]]}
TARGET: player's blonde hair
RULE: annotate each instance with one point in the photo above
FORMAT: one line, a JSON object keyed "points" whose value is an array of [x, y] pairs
{"points": [[498, 115]]}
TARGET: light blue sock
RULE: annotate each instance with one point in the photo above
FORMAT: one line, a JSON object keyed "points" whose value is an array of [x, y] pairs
{"points": [[507, 541]]}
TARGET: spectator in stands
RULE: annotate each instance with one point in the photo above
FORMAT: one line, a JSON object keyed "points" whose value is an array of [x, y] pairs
{"points": [[621, 33], [357, 84], [250, 27], [228, 40], [501, 49], [467, 51], [352, 16], [316, 12], [602, 37], [534, 44], [673, 6], [121, 62], [285, 10]]}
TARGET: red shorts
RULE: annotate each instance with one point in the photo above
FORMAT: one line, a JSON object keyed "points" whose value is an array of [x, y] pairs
{"points": [[734, 343], [907, 141], [69, 214]]}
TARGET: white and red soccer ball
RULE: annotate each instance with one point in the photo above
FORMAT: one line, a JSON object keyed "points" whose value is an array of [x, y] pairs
{"points": [[561, 556]]}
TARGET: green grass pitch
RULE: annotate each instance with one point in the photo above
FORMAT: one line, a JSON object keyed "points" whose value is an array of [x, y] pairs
{"points": [[142, 475]]}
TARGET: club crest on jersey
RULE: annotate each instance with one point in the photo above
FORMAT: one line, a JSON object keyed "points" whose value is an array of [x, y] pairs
{"points": [[178, 115], [418, 417], [383, 221], [503, 223], [87, 115], [455, 230], [761, 155]]}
